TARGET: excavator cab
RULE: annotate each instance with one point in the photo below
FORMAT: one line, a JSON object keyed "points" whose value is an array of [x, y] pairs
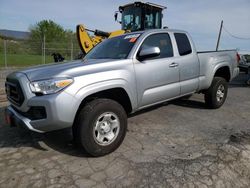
{"points": [[139, 16], [135, 16]]}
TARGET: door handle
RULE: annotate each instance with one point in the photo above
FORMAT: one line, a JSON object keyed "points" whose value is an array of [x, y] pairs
{"points": [[173, 65]]}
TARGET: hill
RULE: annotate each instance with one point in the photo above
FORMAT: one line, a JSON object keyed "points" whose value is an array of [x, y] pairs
{"points": [[5, 33]]}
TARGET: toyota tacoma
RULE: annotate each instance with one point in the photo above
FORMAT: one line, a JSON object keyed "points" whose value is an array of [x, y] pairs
{"points": [[118, 77]]}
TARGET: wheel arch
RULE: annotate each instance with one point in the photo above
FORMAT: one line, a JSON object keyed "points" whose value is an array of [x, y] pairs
{"points": [[117, 90], [117, 94], [224, 72]]}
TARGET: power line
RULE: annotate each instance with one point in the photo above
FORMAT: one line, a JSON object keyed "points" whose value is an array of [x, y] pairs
{"points": [[234, 36]]}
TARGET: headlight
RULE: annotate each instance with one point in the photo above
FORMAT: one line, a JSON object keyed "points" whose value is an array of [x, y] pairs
{"points": [[50, 86]]}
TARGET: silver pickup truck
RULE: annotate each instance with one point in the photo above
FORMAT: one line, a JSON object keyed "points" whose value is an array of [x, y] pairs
{"points": [[118, 77]]}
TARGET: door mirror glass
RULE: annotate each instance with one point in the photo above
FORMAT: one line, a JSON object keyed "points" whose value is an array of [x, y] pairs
{"points": [[149, 52]]}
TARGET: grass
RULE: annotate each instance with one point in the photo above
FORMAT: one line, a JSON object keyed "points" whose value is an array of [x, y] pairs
{"points": [[19, 53], [23, 60]]}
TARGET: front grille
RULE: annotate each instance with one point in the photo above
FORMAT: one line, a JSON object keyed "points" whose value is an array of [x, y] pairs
{"points": [[14, 92]]}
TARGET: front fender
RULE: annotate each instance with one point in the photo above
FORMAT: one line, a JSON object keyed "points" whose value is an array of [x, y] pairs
{"points": [[105, 85]]}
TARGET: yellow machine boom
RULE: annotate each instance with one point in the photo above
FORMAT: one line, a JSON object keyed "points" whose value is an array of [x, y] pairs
{"points": [[87, 42]]}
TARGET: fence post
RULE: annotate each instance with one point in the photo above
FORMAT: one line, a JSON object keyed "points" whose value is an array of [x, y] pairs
{"points": [[5, 53], [44, 52], [72, 48]]}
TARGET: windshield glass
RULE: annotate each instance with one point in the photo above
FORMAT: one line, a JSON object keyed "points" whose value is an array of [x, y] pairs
{"points": [[152, 18], [113, 48], [131, 18]]}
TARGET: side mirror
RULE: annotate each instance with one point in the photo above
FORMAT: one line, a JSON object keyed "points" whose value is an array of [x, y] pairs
{"points": [[116, 16], [149, 52]]}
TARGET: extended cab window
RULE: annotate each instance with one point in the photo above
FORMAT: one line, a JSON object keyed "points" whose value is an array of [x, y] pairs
{"points": [[183, 44], [162, 41]]}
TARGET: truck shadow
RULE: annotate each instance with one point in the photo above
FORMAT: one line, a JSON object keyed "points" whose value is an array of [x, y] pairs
{"points": [[62, 140], [233, 85], [189, 103], [240, 81], [17, 137]]}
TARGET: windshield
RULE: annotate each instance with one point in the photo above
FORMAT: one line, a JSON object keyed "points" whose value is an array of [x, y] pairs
{"points": [[113, 48]]}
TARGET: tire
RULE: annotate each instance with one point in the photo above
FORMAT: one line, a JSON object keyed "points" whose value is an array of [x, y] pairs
{"points": [[100, 127], [216, 94]]}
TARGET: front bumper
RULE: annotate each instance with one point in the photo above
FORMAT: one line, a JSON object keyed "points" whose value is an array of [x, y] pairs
{"points": [[60, 112], [244, 68], [41, 113], [15, 119]]}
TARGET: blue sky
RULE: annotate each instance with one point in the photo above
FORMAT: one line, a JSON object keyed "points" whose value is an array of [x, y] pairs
{"points": [[201, 18]]}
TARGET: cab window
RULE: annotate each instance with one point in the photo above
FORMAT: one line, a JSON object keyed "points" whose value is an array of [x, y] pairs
{"points": [[162, 41], [183, 44]]}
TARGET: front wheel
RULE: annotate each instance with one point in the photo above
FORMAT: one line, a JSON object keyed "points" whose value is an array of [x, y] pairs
{"points": [[216, 94], [101, 126]]}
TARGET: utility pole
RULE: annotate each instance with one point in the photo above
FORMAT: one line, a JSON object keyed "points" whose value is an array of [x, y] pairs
{"points": [[218, 41], [5, 53]]}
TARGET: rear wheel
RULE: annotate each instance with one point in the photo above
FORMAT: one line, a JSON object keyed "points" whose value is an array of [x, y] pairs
{"points": [[101, 126], [216, 94]]}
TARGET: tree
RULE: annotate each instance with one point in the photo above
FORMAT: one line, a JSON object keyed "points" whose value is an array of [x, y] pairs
{"points": [[54, 35], [57, 39], [48, 29]]}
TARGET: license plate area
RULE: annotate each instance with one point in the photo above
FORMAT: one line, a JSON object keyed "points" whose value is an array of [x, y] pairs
{"points": [[9, 119]]}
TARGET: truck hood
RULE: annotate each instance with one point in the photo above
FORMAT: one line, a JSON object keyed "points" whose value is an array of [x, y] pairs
{"points": [[70, 69]]}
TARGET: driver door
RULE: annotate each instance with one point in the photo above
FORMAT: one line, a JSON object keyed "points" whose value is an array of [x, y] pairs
{"points": [[157, 78]]}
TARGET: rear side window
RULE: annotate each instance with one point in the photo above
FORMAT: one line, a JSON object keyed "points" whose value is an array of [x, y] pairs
{"points": [[183, 44], [162, 41]]}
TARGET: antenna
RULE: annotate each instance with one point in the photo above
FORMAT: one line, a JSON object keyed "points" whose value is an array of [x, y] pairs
{"points": [[218, 41]]}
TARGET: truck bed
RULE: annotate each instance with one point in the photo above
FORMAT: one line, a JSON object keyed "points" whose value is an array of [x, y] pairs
{"points": [[217, 58]]}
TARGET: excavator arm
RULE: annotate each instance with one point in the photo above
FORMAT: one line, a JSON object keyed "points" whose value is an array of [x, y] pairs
{"points": [[87, 42]]}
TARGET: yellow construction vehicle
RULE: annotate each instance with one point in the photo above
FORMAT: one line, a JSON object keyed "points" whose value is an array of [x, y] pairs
{"points": [[135, 16]]}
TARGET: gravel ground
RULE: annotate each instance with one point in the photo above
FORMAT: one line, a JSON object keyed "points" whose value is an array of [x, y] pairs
{"points": [[178, 144]]}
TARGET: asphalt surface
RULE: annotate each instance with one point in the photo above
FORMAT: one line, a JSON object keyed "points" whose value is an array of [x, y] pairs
{"points": [[177, 144]]}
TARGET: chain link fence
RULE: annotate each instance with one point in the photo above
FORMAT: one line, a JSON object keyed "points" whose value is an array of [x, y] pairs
{"points": [[21, 53]]}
